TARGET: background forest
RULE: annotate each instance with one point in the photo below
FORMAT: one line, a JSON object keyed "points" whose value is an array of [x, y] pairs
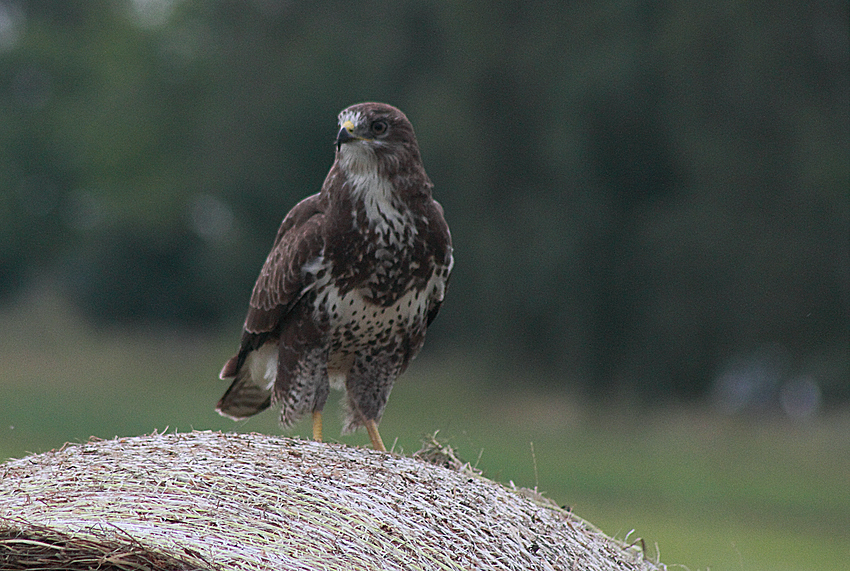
{"points": [[644, 196], [649, 201]]}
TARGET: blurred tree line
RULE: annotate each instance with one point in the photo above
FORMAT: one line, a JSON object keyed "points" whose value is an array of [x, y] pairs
{"points": [[641, 194]]}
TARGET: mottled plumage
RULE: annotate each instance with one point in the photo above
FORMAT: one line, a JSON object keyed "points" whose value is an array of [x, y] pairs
{"points": [[356, 274]]}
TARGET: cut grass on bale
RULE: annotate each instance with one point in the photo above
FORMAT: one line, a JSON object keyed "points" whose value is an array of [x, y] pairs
{"points": [[251, 502]]}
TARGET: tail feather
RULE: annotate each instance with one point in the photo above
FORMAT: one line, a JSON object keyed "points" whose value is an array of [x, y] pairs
{"points": [[245, 397], [230, 368]]}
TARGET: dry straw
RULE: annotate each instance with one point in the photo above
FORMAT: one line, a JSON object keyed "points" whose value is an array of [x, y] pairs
{"points": [[207, 500]]}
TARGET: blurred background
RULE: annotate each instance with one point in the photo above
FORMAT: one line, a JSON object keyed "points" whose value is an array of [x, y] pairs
{"points": [[650, 207]]}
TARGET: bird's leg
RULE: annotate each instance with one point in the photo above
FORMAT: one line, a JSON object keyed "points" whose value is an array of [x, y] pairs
{"points": [[372, 429], [317, 425]]}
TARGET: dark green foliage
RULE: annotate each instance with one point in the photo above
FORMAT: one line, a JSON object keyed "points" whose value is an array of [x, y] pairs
{"points": [[639, 193]]}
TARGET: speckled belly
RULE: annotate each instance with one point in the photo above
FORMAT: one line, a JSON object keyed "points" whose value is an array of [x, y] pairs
{"points": [[358, 327]]}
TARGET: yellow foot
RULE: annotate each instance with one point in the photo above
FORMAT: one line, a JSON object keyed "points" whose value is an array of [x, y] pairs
{"points": [[317, 426], [372, 429]]}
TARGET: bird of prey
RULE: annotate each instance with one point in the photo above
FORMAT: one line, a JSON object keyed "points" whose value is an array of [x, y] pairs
{"points": [[356, 274]]}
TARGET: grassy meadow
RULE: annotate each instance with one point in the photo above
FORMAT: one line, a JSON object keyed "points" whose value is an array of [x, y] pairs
{"points": [[708, 492]]}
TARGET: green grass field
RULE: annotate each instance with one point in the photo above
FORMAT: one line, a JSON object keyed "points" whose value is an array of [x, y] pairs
{"points": [[710, 492]]}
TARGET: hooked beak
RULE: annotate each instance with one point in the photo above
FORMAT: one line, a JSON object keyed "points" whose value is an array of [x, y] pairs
{"points": [[346, 134]]}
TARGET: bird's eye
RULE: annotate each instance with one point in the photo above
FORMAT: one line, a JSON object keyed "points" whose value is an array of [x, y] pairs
{"points": [[379, 128]]}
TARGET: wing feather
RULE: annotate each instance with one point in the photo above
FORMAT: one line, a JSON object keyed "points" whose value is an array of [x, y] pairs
{"points": [[439, 241], [281, 281], [278, 288]]}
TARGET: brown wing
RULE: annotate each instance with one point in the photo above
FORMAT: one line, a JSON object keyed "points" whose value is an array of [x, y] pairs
{"points": [[439, 241], [281, 281]]}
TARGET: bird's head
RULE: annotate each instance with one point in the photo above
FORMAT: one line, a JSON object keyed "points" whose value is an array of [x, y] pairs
{"points": [[376, 136]]}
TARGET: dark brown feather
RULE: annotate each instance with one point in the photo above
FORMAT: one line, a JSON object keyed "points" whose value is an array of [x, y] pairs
{"points": [[280, 283]]}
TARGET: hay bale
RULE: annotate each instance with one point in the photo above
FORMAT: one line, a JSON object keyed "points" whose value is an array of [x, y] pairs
{"points": [[207, 500]]}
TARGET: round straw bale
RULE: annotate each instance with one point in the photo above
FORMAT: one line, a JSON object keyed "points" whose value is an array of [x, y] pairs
{"points": [[207, 500]]}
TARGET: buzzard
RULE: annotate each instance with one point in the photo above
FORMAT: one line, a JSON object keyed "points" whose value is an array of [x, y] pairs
{"points": [[356, 274]]}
